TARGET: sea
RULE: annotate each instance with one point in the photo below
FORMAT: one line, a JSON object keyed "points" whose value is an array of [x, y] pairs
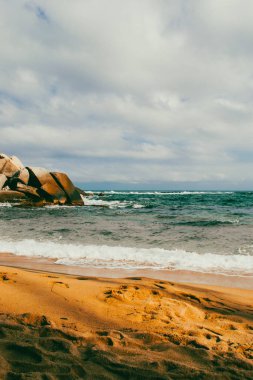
{"points": [[200, 231]]}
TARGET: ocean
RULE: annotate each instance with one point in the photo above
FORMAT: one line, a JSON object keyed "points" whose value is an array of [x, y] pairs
{"points": [[208, 232]]}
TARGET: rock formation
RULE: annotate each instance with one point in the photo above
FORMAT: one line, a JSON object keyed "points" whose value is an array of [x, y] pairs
{"points": [[37, 185]]}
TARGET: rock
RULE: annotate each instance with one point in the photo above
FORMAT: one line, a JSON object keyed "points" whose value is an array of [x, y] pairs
{"points": [[36, 184], [3, 180], [9, 165], [80, 191], [11, 196], [23, 176], [47, 187], [70, 190], [29, 191], [53, 193], [3, 160], [34, 175]]}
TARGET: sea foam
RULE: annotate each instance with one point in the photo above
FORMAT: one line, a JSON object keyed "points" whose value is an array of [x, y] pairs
{"points": [[90, 201], [112, 192], [104, 256]]}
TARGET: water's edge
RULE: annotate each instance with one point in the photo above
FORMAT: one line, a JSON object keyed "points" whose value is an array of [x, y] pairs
{"points": [[180, 276]]}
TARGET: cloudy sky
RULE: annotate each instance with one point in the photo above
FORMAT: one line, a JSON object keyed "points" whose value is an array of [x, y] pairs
{"points": [[144, 94]]}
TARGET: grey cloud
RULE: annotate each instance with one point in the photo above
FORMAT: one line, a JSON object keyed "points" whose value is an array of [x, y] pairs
{"points": [[129, 91]]}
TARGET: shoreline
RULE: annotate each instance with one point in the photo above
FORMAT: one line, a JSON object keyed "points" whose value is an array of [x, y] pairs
{"points": [[180, 276], [115, 328]]}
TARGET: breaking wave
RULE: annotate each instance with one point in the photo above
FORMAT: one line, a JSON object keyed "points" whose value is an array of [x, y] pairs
{"points": [[89, 201], [103, 256], [5, 204], [165, 192]]}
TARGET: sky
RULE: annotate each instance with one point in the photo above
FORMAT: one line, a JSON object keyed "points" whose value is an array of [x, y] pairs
{"points": [[130, 94]]}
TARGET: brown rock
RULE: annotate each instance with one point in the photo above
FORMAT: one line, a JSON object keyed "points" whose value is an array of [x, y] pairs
{"points": [[52, 192], [23, 176], [28, 190], [65, 183], [38, 184], [34, 175], [3, 180], [9, 165], [11, 196], [46, 185], [80, 191], [3, 160]]}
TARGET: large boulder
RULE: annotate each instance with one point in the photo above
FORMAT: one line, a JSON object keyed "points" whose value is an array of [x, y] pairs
{"points": [[73, 195], [9, 165], [47, 187], [37, 184], [23, 176], [38, 176]]}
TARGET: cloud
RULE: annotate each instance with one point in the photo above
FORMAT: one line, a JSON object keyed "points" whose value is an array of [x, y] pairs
{"points": [[129, 91]]}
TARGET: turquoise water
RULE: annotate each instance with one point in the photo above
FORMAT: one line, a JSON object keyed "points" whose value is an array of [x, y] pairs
{"points": [[205, 231]]}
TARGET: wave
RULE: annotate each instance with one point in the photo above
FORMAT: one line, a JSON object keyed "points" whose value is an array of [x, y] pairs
{"points": [[5, 204], [131, 257], [111, 192], [88, 201]]}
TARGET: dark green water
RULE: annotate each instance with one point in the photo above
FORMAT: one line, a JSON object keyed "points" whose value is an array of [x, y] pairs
{"points": [[206, 231]]}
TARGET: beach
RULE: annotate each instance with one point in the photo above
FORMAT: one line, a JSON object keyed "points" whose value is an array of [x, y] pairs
{"points": [[58, 326], [133, 285], [126, 196]]}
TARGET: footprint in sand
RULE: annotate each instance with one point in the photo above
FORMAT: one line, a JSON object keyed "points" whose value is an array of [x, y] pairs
{"points": [[112, 338], [191, 297], [64, 284], [160, 286], [59, 283], [55, 345], [6, 277], [23, 353], [51, 276], [33, 320]]}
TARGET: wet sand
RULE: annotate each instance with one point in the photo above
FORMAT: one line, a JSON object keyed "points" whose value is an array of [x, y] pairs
{"points": [[58, 326], [182, 276]]}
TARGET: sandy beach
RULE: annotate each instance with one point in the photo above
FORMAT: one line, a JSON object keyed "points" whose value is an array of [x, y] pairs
{"points": [[126, 190], [58, 326]]}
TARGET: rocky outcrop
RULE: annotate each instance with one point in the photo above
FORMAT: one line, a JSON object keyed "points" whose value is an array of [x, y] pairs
{"points": [[63, 181], [37, 185], [3, 180], [9, 165]]}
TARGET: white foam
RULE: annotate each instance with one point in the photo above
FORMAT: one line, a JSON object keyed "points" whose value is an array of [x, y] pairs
{"points": [[131, 258], [138, 206], [5, 204], [90, 201], [164, 192], [201, 192], [102, 203]]}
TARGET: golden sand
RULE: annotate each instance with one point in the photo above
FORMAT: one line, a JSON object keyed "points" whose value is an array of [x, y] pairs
{"points": [[55, 326]]}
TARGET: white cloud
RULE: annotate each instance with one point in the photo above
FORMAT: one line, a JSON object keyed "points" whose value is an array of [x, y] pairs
{"points": [[128, 91]]}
